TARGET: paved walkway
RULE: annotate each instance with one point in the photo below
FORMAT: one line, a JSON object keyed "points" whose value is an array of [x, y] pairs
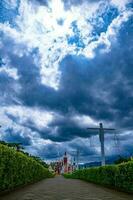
{"points": [[59, 188]]}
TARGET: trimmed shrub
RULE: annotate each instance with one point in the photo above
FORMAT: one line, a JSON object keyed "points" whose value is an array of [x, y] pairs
{"points": [[114, 176], [18, 169]]}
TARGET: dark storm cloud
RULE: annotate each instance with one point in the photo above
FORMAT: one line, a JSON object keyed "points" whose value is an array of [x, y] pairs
{"points": [[50, 151], [83, 147], [100, 87], [105, 82], [32, 91], [128, 150], [11, 135], [66, 131], [81, 79], [8, 89]]}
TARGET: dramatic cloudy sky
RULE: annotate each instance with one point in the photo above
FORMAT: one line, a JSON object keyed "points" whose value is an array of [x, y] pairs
{"points": [[66, 65]]}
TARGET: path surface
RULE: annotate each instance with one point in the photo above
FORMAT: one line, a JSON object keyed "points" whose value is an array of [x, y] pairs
{"points": [[60, 188]]}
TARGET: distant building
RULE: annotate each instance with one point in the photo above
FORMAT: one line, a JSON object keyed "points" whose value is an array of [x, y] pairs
{"points": [[64, 165]]}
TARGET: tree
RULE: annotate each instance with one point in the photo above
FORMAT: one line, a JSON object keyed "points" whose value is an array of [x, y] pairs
{"points": [[17, 146], [122, 160], [38, 159]]}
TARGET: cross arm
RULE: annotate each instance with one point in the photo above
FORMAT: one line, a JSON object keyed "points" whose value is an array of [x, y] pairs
{"points": [[109, 129], [93, 129], [105, 129]]}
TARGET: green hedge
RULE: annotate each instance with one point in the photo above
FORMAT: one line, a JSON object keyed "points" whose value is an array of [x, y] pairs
{"points": [[17, 169], [114, 176]]}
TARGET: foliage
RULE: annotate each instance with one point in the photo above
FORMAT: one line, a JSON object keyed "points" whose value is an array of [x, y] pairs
{"points": [[40, 161], [115, 176], [123, 160], [17, 146], [18, 169]]}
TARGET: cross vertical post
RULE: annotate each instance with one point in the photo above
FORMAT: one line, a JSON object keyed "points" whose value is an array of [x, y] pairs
{"points": [[77, 159], [101, 137]]}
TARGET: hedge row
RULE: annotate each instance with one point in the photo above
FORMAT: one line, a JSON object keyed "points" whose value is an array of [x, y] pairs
{"points": [[115, 176], [17, 169]]}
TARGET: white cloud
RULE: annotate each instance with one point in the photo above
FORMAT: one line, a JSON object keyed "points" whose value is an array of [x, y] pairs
{"points": [[120, 4], [84, 121], [10, 71], [24, 119], [109, 37], [23, 114], [38, 27]]}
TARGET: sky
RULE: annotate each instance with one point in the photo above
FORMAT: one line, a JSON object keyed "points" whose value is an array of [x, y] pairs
{"points": [[66, 66]]}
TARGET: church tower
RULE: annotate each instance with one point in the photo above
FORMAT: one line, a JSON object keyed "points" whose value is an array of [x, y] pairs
{"points": [[65, 163]]}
